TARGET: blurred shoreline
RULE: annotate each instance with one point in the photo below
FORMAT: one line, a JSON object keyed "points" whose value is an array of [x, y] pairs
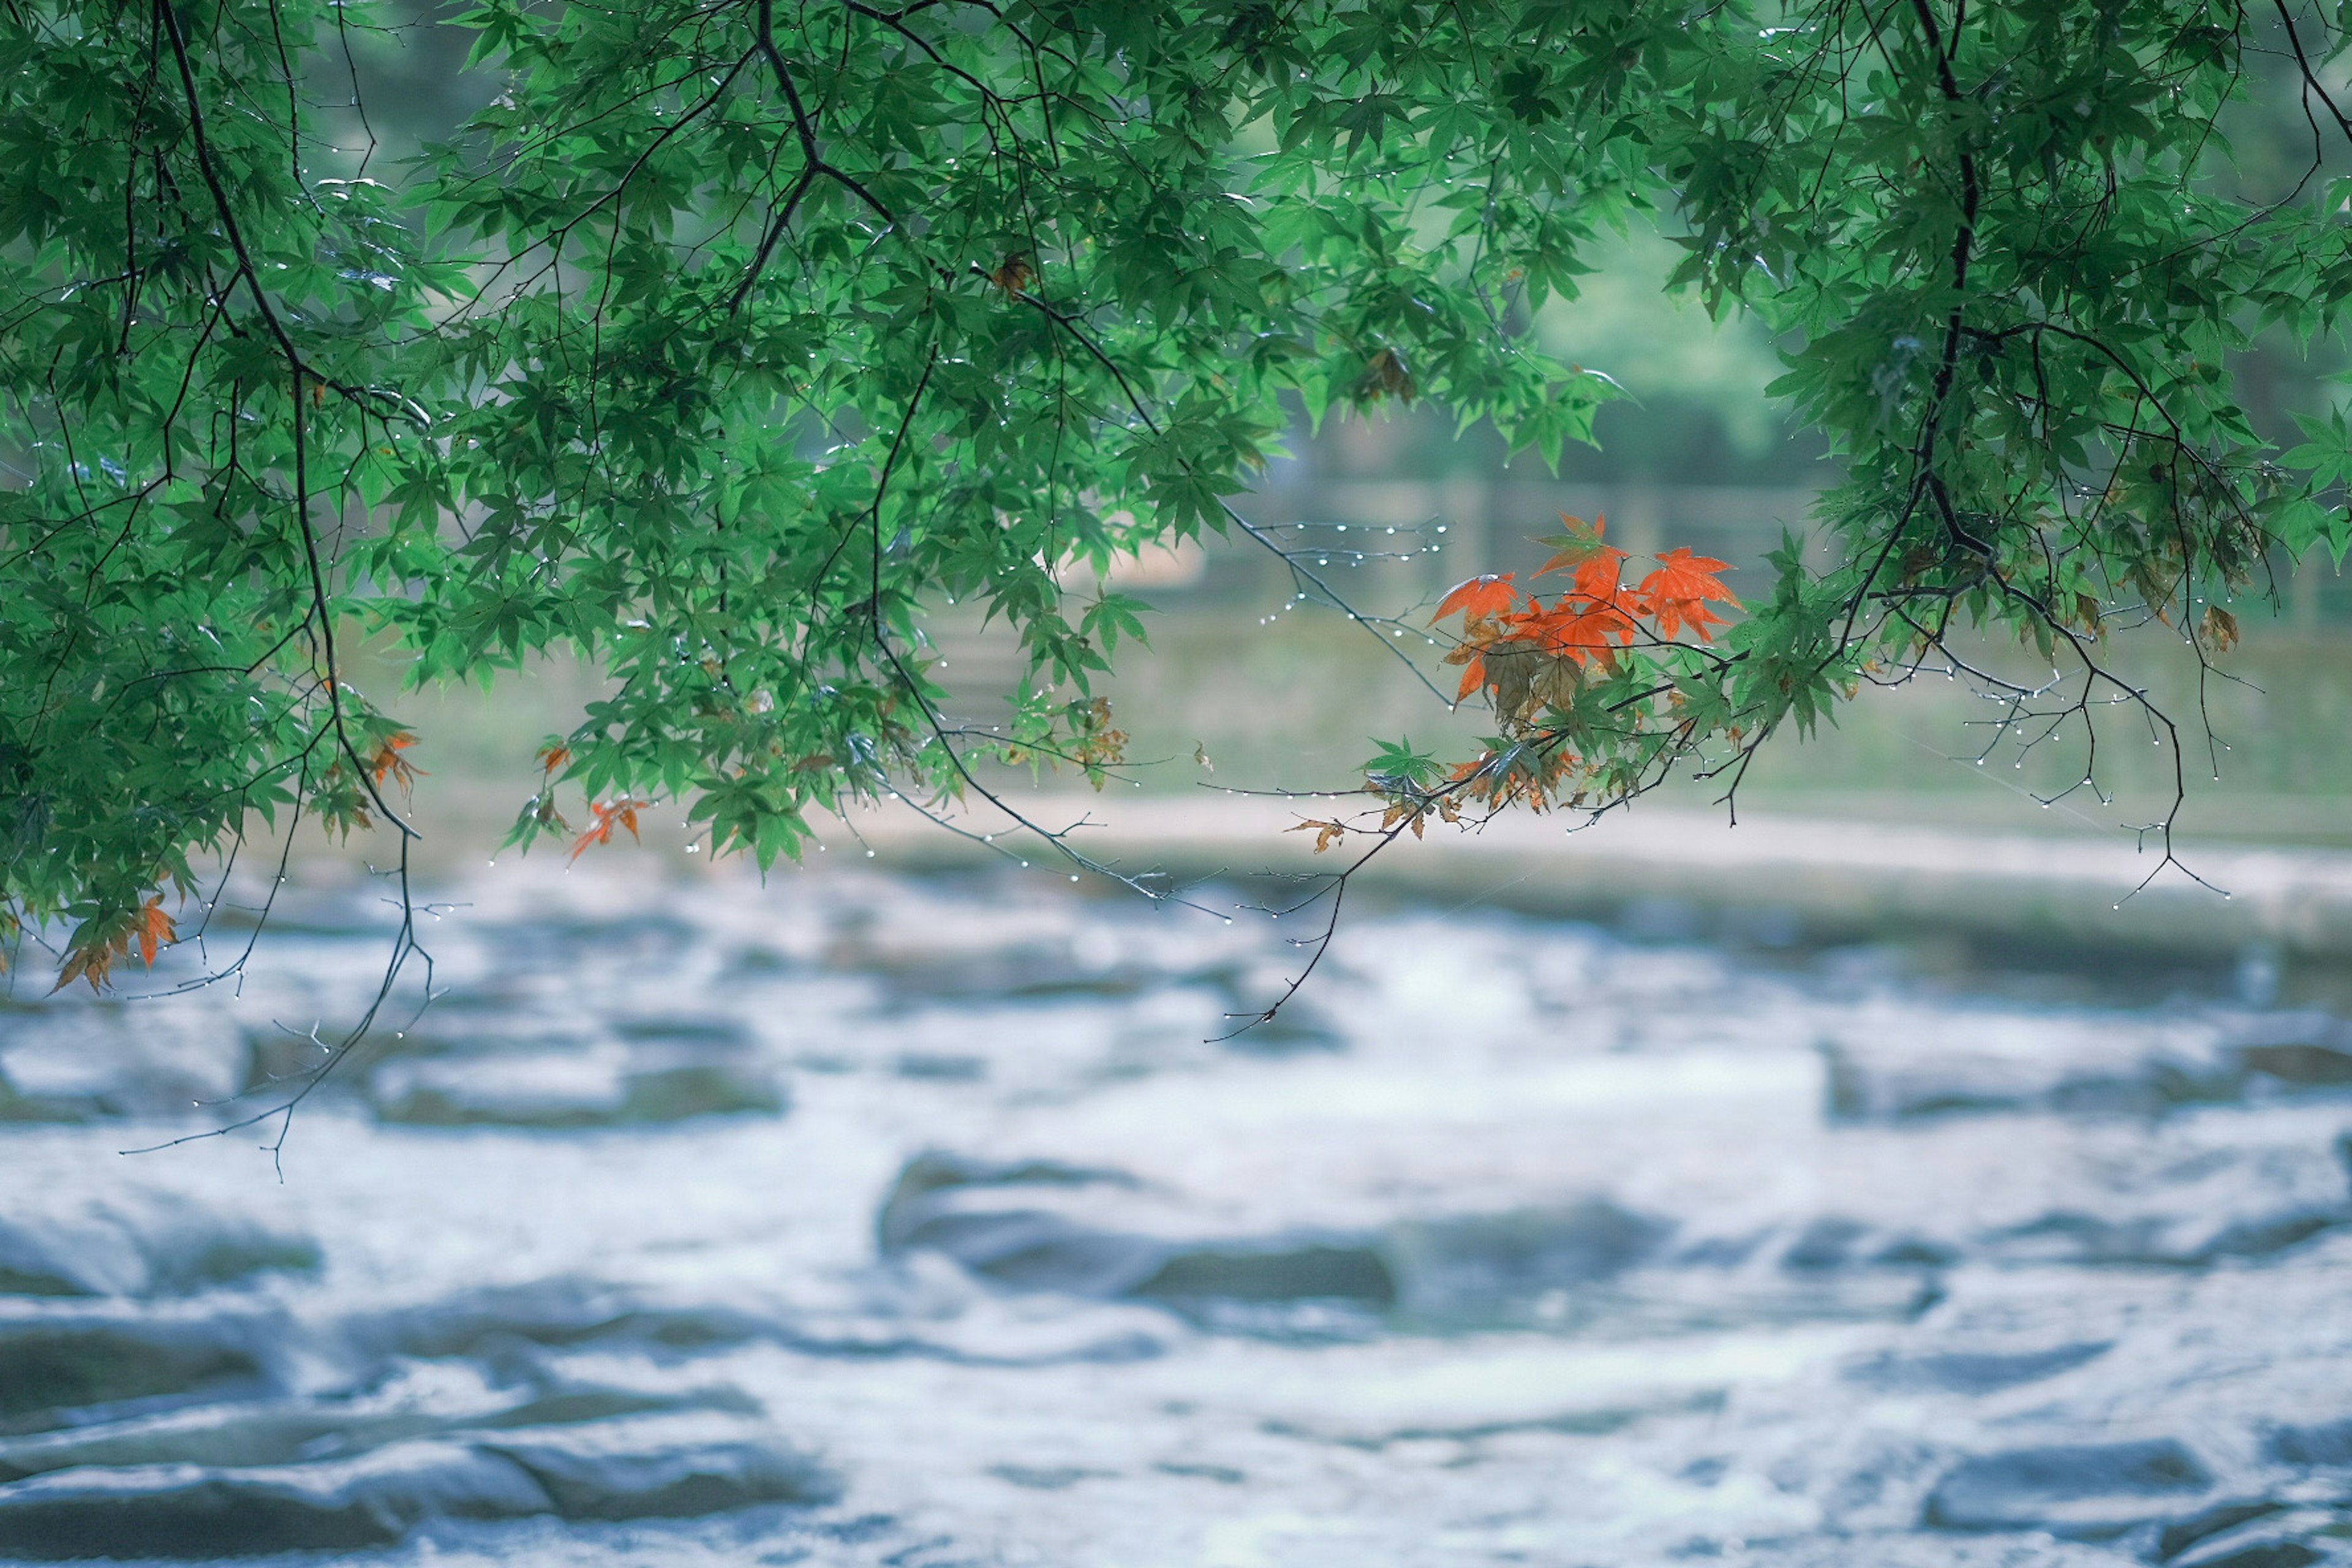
{"points": [[1826, 875]]}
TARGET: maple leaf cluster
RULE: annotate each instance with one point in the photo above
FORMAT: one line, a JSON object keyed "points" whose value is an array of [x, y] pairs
{"points": [[609, 814], [1532, 655], [1097, 743], [1591, 684], [390, 762], [94, 956], [345, 798]]}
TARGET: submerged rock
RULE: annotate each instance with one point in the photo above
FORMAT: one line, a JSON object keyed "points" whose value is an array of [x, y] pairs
{"points": [[2207, 1523], [2260, 1533], [2302, 1049], [914, 1200], [1920, 1064], [1975, 1372], [2330, 1443], [136, 1244], [74, 1058], [568, 1091], [50, 1367], [2304, 1066], [672, 1466], [244, 1436], [1482, 1264], [1044, 1225], [986, 1214], [1272, 1271], [2090, 1492], [189, 1510], [2168, 1240], [15, 1106], [1010, 1223], [492, 1324], [663, 1467], [239, 1436], [2243, 1553], [1028, 1250]]}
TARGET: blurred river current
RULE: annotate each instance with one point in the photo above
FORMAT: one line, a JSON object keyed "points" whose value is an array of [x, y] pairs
{"points": [[874, 1220]]}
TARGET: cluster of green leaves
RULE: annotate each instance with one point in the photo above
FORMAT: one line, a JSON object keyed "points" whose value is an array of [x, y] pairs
{"points": [[192, 363], [798, 329], [1995, 237], [732, 340]]}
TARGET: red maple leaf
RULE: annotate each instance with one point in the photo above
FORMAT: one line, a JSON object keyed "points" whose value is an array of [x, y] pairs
{"points": [[156, 930], [1478, 597], [1676, 595]]}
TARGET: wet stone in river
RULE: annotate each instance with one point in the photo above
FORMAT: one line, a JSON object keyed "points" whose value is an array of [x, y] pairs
{"points": [[185, 1510], [59, 1369], [570, 1091], [136, 1242], [2089, 1491]]}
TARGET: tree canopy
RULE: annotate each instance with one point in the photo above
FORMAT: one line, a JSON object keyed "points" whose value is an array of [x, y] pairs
{"points": [[733, 339]]}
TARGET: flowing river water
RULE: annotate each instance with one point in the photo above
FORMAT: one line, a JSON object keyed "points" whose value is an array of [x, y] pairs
{"points": [[872, 1220]]}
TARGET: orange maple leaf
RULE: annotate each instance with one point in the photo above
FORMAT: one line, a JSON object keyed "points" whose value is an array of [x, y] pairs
{"points": [[1480, 596], [1675, 616], [1584, 632], [1676, 595], [93, 961], [1326, 833], [1473, 675], [389, 762], [554, 755], [1589, 618], [1599, 579], [89, 964], [609, 814], [156, 930]]}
